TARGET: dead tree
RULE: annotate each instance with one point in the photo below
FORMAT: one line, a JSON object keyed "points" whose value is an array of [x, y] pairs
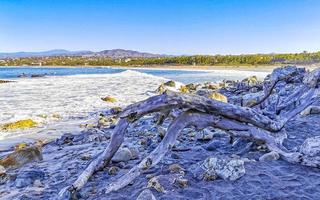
{"points": [[259, 122]]}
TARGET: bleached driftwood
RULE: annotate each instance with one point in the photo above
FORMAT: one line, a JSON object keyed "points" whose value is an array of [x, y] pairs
{"points": [[203, 112]]}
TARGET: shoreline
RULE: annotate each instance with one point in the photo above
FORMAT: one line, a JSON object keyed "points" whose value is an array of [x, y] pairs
{"points": [[258, 68]]}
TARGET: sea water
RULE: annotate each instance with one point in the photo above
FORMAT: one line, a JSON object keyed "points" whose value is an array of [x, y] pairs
{"points": [[67, 98]]}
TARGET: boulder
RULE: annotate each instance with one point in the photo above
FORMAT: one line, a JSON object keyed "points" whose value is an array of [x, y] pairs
{"points": [[219, 97], [163, 183], [269, 156], [146, 195], [252, 80], [311, 146], [311, 110], [226, 168], [109, 99], [22, 156], [28, 177], [21, 124], [183, 89], [122, 155], [170, 84]]}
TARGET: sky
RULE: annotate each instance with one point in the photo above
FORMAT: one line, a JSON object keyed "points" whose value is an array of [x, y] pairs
{"points": [[178, 27]]}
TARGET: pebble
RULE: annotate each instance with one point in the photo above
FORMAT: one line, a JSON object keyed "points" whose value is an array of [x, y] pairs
{"points": [[122, 155], [269, 156], [28, 177]]}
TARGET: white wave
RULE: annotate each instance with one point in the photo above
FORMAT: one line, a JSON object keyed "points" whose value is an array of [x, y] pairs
{"points": [[75, 98]]}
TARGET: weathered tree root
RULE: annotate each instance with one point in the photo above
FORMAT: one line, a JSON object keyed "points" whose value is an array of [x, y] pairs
{"points": [[203, 112]]}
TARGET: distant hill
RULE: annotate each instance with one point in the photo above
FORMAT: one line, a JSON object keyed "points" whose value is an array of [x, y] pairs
{"points": [[55, 52], [114, 53], [122, 53]]}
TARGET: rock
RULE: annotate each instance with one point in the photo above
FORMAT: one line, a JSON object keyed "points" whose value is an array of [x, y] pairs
{"points": [[211, 86], [106, 121], [162, 131], [205, 134], [161, 89], [116, 110], [5, 81], [311, 110], [134, 153], [86, 157], [122, 155], [26, 178], [252, 80], [162, 183], [146, 195], [176, 168], [21, 124], [183, 89], [113, 170], [192, 86], [251, 98], [269, 156], [219, 97], [170, 84], [22, 156], [109, 99], [228, 169], [311, 146], [182, 182], [2, 170]]}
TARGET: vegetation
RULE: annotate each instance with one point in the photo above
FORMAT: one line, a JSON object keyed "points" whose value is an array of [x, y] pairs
{"points": [[216, 60]]}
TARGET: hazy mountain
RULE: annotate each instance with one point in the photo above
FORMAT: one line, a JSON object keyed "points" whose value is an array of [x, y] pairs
{"points": [[114, 53], [121, 53]]}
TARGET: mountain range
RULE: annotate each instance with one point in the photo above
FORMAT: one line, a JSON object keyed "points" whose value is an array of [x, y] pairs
{"points": [[114, 53]]}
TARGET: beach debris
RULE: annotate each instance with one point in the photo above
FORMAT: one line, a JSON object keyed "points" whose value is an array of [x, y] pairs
{"points": [[22, 156], [28, 177], [21, 124], [146, 195], [109, 99], [264, 123]]}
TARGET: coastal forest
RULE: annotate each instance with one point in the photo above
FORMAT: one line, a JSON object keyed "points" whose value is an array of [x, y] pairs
{"points": [[304, 58]]}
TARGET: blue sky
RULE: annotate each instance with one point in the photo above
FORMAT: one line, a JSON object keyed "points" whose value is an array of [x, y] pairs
{"points": [[161, 26]]}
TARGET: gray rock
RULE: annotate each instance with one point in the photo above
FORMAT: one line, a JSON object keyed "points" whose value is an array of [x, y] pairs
{"points": [[205, 134], [163, 183], [311, 146], [311, 110], [269, 156], [146, 195], [228, 168], [28, 177], [122, 155]]}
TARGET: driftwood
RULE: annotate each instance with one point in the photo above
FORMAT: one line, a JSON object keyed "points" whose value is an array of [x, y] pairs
{"points": [[257, 123]]}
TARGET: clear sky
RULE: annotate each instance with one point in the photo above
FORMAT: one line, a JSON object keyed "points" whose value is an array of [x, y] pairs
{"points": [[161, 26]]}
